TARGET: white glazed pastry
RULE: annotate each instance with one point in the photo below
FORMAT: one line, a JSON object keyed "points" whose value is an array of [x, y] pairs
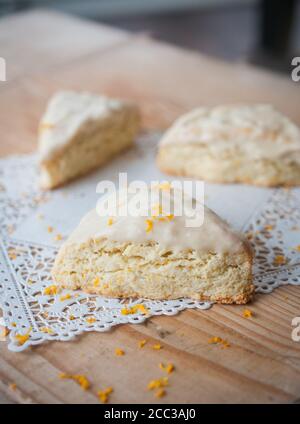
{"points": [[252, 144], [157, 256], [81, 131]]}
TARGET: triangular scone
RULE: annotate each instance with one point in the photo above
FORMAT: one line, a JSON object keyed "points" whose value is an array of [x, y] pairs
{"points": [[156, 257], [252, 144], [81, 131]]}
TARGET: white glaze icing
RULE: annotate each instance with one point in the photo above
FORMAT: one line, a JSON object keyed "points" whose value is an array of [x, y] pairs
{"points": [[67, 111], [259, 131], [214, 235]]}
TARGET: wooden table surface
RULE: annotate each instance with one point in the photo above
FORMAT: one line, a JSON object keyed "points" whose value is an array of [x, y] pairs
{"points": [[48, 51]]}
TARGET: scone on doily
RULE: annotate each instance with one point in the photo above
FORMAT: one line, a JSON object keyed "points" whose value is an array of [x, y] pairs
{"points": [[81, 131], [157, 256], [253, 144]]}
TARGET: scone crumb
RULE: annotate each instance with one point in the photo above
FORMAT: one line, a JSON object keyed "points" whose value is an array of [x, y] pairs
{"points": [[104, 394], [71, 317], [79, 378], [51, 290], [119, 352], [65, 297], [110, 221], [142, 343], [58, 237], [157, 346], [149, 225], [91, 320], [22, 338], [247, 313]]}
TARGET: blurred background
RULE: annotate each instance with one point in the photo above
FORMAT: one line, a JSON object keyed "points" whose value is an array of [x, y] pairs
{"points": [[262, 32]]}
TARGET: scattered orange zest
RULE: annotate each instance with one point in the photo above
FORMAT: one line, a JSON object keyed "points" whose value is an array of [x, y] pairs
{"points": [[134, 309], [159, 383], [169, 368], [160, 393], [13, 386], [22, 338], [50, 229], [50, 290], [104, 394], [269, 227], [157, 346], [79, 378], [149, 225], [47, 330], [279, 260], [142, 343], [119, 352], [58, 237], [219, 340], [247, 313], [65, 297], [110, 221], [91, 320]]}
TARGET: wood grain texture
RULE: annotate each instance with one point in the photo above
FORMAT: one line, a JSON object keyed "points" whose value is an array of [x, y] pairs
{"points": [[262, 363]]}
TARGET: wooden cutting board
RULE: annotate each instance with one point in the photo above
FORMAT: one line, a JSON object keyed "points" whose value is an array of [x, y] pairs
{"points": [[48, 51]]}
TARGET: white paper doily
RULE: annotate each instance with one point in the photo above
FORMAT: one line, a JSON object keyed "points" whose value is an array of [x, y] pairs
{"points": [[271, 217]]}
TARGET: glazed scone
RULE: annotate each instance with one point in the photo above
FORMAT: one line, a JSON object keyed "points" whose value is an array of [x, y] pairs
{"points": [[252, 144], [156, 257], [81, 131]]}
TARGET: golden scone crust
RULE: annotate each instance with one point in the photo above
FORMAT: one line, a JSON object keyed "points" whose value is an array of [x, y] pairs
{"points": [[233, 144], [80, 132]]}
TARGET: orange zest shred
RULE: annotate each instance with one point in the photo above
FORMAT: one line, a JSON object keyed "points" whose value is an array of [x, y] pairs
{"points": [[157, 346], [134, 309], [160, 393], [50, 229], [50, 290], [269, 227], [169, 368], [71, 317], [91, 320], [297, 248], [219, 340], [157, 384], [279, 260], [119, 352], [22, 338], [104, 394], [47, 330], [13, 386], [96, 282], [79, 378], [58, 237], [149, 225], [110, 221], [142, 343], [247, 313], [65, 297]]}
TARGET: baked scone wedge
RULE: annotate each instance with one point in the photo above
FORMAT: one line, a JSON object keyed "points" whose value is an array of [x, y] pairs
{"points": [[156, 257], [81, 131], [253, 144]]}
